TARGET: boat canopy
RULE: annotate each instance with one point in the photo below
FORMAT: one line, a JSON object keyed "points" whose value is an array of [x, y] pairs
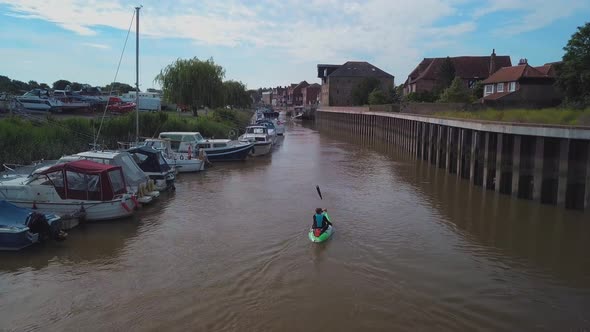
{"points": [[86, 180], [149, 159], [12, 215]]}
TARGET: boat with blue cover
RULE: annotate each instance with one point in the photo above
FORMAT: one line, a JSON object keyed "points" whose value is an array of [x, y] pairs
{"points": [[21, 227]]}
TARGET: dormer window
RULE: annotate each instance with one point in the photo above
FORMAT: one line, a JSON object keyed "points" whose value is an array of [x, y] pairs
{"points": [[500, 87], [512, 87], [489, 89]]}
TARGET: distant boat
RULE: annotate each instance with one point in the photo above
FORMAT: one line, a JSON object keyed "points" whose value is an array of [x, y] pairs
{"points": [[260, 137], [39, 100]]}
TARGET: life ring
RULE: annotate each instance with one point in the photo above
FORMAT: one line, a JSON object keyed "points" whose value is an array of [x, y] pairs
{"points": [[181, 157]]}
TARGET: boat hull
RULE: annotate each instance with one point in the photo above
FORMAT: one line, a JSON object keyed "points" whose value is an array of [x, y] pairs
{"points": [[236, 153], [261, 149], [187, 165], [16, 238], [92, 210]]}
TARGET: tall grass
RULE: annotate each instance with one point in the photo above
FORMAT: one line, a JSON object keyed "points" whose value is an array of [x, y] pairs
{"points": [[23, 141], [559, 116]]}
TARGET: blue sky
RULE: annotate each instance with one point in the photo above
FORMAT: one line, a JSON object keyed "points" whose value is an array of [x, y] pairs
{"points": [[268, 43]]}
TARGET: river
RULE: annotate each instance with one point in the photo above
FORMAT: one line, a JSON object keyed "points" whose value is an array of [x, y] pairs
{"points": [[414, 249]]}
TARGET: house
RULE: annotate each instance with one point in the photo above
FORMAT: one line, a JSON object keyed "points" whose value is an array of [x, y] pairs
{"points": [[279, 96], [522, 85], [311, 94], [267, 97], [338, 81], [471, 69], [294, 95]]}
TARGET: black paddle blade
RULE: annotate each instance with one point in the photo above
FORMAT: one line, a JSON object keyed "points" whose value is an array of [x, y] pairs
{"points": [[319, 192]]}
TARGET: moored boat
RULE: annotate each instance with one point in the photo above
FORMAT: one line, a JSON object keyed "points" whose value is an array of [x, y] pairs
{"points": [[21, 227], [153, 164], [260, 137], [79, 188], [216, 149], [183, 163]]}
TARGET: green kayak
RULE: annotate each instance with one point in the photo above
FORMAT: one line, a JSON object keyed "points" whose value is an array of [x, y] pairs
{"points": [[324, 236]]}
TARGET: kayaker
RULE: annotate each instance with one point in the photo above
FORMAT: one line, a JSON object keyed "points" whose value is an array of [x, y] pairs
{"points": [[320, 222]]}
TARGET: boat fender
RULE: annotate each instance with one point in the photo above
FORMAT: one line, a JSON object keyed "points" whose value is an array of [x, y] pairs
{"points": [[151, 185], [135, 202], [189, 152], [125, 206], [181, 157]]}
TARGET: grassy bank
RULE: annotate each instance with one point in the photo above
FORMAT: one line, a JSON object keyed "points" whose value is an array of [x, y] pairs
{"points": [[23, 141], [558, 116]]}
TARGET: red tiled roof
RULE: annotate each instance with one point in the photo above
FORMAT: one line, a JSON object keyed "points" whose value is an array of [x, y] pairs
{"points": [[548, 69], [465, 67], [513, 74]]}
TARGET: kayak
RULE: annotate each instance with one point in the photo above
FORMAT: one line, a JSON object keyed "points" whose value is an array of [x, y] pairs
{"points": [[325, 235]]}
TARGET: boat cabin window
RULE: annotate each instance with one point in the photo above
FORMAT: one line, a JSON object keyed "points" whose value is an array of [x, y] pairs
{"points": [[204, 145], [255, 131], [83, 186], [260, 139], [219, 145], [117, 182], [56, 179]]}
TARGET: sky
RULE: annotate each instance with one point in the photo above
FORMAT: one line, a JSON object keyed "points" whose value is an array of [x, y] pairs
{"points": [[265, 43]]}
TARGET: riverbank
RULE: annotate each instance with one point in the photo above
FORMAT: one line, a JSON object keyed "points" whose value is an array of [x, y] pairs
{"points": [[27, 139], [558, 116]]}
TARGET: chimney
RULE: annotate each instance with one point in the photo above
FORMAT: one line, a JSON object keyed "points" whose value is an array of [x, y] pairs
{"points": [[493, 62], [523, 62]]}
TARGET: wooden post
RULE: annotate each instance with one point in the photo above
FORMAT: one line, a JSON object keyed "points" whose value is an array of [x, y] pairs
{"points": [[474, 137], [516, 165], [499, 157], [486, 161], [538, 168], [564, 145]]}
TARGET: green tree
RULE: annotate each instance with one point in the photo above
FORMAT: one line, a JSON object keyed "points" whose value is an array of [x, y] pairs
{"points": [[456, 93], [44, 86], [445, 75], [118, 86], [193, 82], [377, 97], [360, 93], [61, 84], [422, 96], [478, 90], [33, 85], [574, 73], [235, 94], [76, 86]]}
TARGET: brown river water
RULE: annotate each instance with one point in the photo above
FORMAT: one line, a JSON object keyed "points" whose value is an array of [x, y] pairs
{"points": [[415, 249]]}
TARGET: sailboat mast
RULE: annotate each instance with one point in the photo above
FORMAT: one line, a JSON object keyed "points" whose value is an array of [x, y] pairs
{"points": [[137, 76]]}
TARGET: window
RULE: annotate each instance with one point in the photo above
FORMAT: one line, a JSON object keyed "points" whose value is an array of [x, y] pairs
{"points": [[116, 181], [500, 87], [489, 89], [512, 87]]}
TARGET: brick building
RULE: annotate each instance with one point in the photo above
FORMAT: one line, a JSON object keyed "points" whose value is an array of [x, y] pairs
{"points": [[294, 94], [522, 85], [311, 94], [338, 81], [471, 69]]}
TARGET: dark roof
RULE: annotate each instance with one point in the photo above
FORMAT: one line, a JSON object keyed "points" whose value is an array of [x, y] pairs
{"points": [[314, 85], [514, 73], [81, 166], [465, 67], [359, 69], [548, 68], [302, 84]]}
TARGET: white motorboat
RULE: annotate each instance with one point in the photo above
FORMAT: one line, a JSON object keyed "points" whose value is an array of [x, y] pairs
{"points": [[182, 162], [215, 149], [153, 164], [39, 100], [80, 188], [260, 137]]}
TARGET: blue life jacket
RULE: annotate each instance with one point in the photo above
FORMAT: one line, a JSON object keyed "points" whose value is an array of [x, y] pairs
{"points": [[319, 220]]}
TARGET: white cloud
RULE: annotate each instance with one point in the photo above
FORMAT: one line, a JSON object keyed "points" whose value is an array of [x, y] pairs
{"points": [[99, 46], [393, 33], [533, 14]]}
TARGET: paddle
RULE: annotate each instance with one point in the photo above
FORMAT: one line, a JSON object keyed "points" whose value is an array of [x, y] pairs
{"points": [[319, 192]]}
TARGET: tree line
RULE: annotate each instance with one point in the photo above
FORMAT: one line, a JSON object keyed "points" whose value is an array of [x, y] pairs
{"points": [[17, 87], [196, 83]]}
